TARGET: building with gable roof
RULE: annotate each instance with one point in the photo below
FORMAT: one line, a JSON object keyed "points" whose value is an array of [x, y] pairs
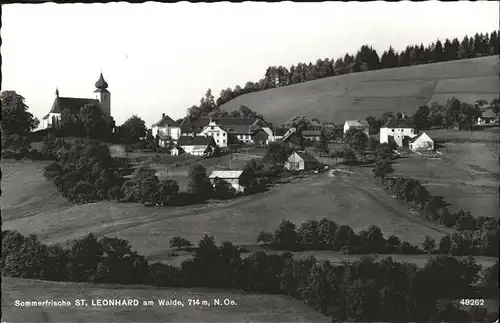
{"points": [[401, 130], [197, 145], [102, 99], [357, 124], [166, 129], [300, 160]]}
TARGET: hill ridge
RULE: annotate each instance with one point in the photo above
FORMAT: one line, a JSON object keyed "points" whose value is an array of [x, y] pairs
{"points": [[358, 95]]}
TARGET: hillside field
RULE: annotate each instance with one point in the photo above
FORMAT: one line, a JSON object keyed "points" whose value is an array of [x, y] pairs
{"points": [[249, 308], [358, 95]]}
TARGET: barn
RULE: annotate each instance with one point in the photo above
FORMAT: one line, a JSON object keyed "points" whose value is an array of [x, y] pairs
{"points": [[301, 161], [421, 142], [230, 176]]}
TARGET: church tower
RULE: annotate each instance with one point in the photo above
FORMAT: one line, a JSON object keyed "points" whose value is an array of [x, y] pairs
{"points": [[103, 95]]}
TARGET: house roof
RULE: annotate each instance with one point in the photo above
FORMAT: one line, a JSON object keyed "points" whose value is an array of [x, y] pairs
{"points": [[400, 123], [198, 124], [166, 121], [357, 123], [74, 104], [305, 156], [279, 131], [311, 133], [420, 135], [487, 113], [196, 141], [226, 174]]}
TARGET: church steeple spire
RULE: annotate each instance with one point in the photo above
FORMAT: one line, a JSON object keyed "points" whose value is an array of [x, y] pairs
{"points": [[57, 92], [101, 84]]}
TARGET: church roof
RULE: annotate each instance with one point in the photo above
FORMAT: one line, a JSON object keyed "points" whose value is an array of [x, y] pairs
{"points": [[399, 123], [74, 104], [101, 84]]}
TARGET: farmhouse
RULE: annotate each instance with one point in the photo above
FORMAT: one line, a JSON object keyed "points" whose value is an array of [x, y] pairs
{"points": [[357, 124], [260, 137], [197, 145], [487, 117], [401, 130], [219, 134], [312, 135], [294, 140], [240, 128], [301, 161], [230, 176], [102, 100], [421, 142], [166, 129]]}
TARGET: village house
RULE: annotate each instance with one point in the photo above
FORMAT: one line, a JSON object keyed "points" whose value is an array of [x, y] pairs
{"points": [[421, 142], [401, 130], [260, 137], [487, 117], [312, 135], [230, 176], [102, 99], [300, 160], [197, 145], [166, 129], [215, 131], [239, 128], [357, 124], [294, 140]]}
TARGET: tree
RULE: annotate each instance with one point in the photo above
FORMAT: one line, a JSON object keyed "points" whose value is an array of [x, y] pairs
{"points": [[179, 242], [286, 237], [207, 103], [382, 169], [356, 138], [199, 183], [429, 244], [265, 237], [298, 122], [223, 190], [133, 129], [445, 245], [421, 117], [166, 190], [16, 119]]}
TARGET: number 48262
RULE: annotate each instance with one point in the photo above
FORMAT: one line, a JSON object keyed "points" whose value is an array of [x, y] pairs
{"points": [[472, 302]]}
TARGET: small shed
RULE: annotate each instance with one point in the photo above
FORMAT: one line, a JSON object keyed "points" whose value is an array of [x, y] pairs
{"points": [[176, 151], [230, 176], [301, 161], [421, 142]]}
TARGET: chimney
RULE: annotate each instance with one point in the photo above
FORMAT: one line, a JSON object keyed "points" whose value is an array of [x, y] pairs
{"points": [[163, 115]]}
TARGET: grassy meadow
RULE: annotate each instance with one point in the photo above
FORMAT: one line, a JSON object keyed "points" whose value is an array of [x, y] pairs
{"points": [[372, 93]]}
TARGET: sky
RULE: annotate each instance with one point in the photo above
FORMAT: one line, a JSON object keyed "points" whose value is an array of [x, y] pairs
{"points": [[161, 58]]}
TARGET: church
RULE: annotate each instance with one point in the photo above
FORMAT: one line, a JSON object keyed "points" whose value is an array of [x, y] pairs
{"points": [[102, 99]]}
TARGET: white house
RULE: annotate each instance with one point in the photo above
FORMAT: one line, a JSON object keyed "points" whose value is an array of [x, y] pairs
{"points": [[230, 176], [240, 128], [197, 145], [102, 99], [421, 142], [166, 129], [217, 132], [400, 130], [357, 124]]}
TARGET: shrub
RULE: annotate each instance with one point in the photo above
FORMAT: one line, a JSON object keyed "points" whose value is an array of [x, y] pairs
{"points": [[179, 242]]}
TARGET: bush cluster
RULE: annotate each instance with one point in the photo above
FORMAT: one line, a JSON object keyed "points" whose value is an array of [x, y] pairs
{"points": [[328, 235], [83, 172], [362, 290]]}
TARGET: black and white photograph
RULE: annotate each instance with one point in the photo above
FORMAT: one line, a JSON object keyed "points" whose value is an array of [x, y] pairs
{"points": [[288, 162]]}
